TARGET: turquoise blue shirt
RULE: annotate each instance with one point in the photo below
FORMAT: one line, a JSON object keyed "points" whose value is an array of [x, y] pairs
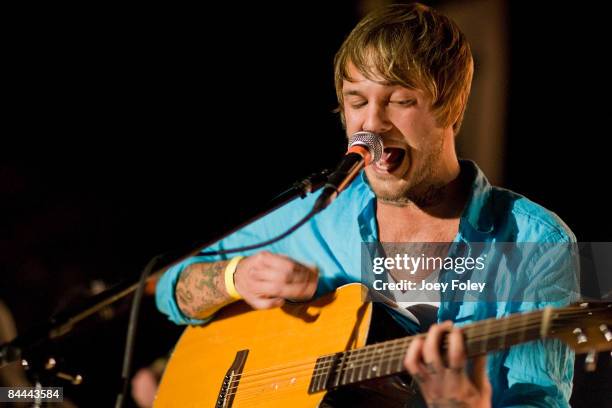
{"points": [[533, 374]]}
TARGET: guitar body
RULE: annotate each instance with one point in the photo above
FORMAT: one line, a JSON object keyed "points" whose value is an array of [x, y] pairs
{"points": [[283, 345], [290, 356]]}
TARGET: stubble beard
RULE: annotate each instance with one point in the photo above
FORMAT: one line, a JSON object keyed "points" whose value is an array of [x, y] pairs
{"points": [[420, 190]]}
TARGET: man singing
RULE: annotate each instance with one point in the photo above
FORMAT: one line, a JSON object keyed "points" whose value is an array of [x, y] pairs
{"points": [[404, 73]]}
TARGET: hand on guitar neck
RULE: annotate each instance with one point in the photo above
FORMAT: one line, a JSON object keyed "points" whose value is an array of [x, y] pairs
{"points": [[443, 380], [264, 280]]}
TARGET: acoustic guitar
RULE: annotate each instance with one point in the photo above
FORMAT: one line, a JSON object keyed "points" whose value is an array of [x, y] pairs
{"points": [[292, 356]]}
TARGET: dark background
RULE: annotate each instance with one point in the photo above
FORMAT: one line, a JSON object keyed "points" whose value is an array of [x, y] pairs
{"points": [[131, 131]]}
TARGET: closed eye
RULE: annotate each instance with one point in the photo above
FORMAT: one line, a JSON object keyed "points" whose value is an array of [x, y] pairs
{"points": [[359, 104], [405, 102]]}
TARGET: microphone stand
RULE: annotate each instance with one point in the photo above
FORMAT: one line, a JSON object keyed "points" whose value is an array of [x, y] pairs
{"points": [[63, 322]]}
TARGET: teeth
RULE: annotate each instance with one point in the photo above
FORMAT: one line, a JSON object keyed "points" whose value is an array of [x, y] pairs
{"points": [[391, 159], [385, 166]]}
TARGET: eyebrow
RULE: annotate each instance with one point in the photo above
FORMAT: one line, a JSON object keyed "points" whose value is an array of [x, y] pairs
{"points": [[352, 92], [355, 92]]}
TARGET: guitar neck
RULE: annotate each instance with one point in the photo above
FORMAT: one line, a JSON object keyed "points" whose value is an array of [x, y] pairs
{"points": [[386, 358]]}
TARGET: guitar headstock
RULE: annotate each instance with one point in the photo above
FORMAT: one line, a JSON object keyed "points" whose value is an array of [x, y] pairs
{"points": [[585, 327]]}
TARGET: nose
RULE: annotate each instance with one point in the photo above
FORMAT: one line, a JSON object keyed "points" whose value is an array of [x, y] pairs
{"points": [[376, 120]]}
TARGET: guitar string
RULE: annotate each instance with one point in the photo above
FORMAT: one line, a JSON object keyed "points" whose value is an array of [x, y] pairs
{"points": [[347, 353], [358, 364], [472, 332], [255, 393], [370, 358], [278, 393], [323, 368]]}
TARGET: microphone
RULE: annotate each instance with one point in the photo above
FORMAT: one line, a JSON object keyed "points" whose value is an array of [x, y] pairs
{"points": [[363, 148]]}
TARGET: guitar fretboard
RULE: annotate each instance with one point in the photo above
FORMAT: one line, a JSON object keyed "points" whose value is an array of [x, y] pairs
{"points": [[386, 358]]}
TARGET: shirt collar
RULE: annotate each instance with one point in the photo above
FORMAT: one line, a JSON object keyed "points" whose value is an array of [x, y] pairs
{"points": [[478, 210]]}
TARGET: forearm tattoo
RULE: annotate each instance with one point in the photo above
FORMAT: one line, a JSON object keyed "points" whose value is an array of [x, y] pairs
{"points": [[201, 289]]}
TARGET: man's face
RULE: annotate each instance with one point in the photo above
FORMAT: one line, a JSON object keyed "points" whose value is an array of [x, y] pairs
{"points": [[417, 150]]}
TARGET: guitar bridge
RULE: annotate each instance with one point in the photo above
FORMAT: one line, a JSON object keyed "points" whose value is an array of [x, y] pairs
{"points": [[231, 380]]}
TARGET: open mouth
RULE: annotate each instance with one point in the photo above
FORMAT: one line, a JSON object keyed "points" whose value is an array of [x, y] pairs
{"points": [[391, 159]]}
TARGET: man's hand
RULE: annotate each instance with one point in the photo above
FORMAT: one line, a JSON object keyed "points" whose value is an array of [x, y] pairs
{"points": [[265, 280], [447, 386]]}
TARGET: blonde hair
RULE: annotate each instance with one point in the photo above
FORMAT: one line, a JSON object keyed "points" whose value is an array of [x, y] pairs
{"points": [[413, 46]]}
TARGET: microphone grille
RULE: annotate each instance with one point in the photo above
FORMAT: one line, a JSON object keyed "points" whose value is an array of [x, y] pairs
{"points": [[371, 141]]}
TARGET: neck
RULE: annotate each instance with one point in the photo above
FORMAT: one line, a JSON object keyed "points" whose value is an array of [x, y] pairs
{"points": [[441, 198]]}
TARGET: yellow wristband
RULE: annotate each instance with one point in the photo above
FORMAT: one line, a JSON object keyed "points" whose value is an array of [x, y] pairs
{"points": [[230, 270]]}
